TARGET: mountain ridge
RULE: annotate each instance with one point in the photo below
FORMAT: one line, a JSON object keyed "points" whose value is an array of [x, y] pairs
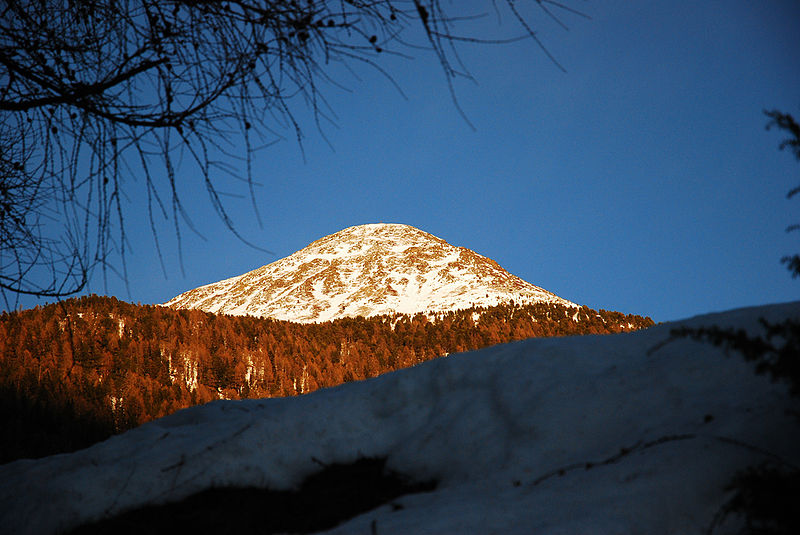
{"points": [[367, 270]]}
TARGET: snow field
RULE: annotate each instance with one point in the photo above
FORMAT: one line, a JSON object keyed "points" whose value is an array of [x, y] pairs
{"points": [[579, 435]]}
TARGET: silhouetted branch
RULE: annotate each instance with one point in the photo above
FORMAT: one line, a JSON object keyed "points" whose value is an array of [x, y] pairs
{"points": [[94, 93]]}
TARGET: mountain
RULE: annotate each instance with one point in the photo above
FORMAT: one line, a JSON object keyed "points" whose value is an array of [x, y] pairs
{"points": [[629, 433], [367, 270]]}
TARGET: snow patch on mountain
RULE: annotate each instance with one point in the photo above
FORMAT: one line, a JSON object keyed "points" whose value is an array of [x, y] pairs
{"points": [[367, 270]]}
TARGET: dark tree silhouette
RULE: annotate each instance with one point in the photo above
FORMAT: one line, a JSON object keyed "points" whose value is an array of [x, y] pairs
{"points": [[785, 122], [765, 495], [96, 91]]}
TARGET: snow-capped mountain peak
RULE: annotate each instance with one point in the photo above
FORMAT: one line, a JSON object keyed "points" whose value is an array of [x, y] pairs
{"points": [[367, 270]]}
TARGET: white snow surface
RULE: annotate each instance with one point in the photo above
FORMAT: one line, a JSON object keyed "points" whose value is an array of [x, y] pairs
{"points": [[495, 426], [367, 270]]}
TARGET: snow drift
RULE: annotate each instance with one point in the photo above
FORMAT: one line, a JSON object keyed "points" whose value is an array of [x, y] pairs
{"points": [[594, 434]]}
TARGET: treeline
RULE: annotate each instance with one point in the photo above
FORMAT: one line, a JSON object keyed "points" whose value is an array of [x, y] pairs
{"points": [[78, 371]]}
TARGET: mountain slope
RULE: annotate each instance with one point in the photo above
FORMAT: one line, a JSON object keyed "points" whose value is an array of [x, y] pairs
{"points": [[367, 270], [577, 435], [76, 372]]}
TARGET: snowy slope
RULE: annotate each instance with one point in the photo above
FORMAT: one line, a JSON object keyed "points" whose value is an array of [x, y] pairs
{"points": [[494, 426], [365, 271]]}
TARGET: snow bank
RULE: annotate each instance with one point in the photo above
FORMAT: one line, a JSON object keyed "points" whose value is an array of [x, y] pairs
{"points": [[594, 434]]}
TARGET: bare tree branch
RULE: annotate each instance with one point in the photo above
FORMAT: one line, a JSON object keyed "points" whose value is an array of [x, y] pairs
{"points": [[96, 92]]}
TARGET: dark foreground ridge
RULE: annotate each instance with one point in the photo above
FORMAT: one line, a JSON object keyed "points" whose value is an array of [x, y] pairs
{"points": [[325, 499]]}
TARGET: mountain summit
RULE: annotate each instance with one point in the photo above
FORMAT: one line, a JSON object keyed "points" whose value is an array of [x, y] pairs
{"points": [[367, 270]]}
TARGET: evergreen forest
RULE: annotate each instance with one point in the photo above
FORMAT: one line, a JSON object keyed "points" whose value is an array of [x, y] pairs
{"points": [[81, 370]]}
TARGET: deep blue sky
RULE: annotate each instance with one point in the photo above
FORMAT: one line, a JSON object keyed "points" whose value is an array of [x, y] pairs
{"points": [[641, 180]]}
